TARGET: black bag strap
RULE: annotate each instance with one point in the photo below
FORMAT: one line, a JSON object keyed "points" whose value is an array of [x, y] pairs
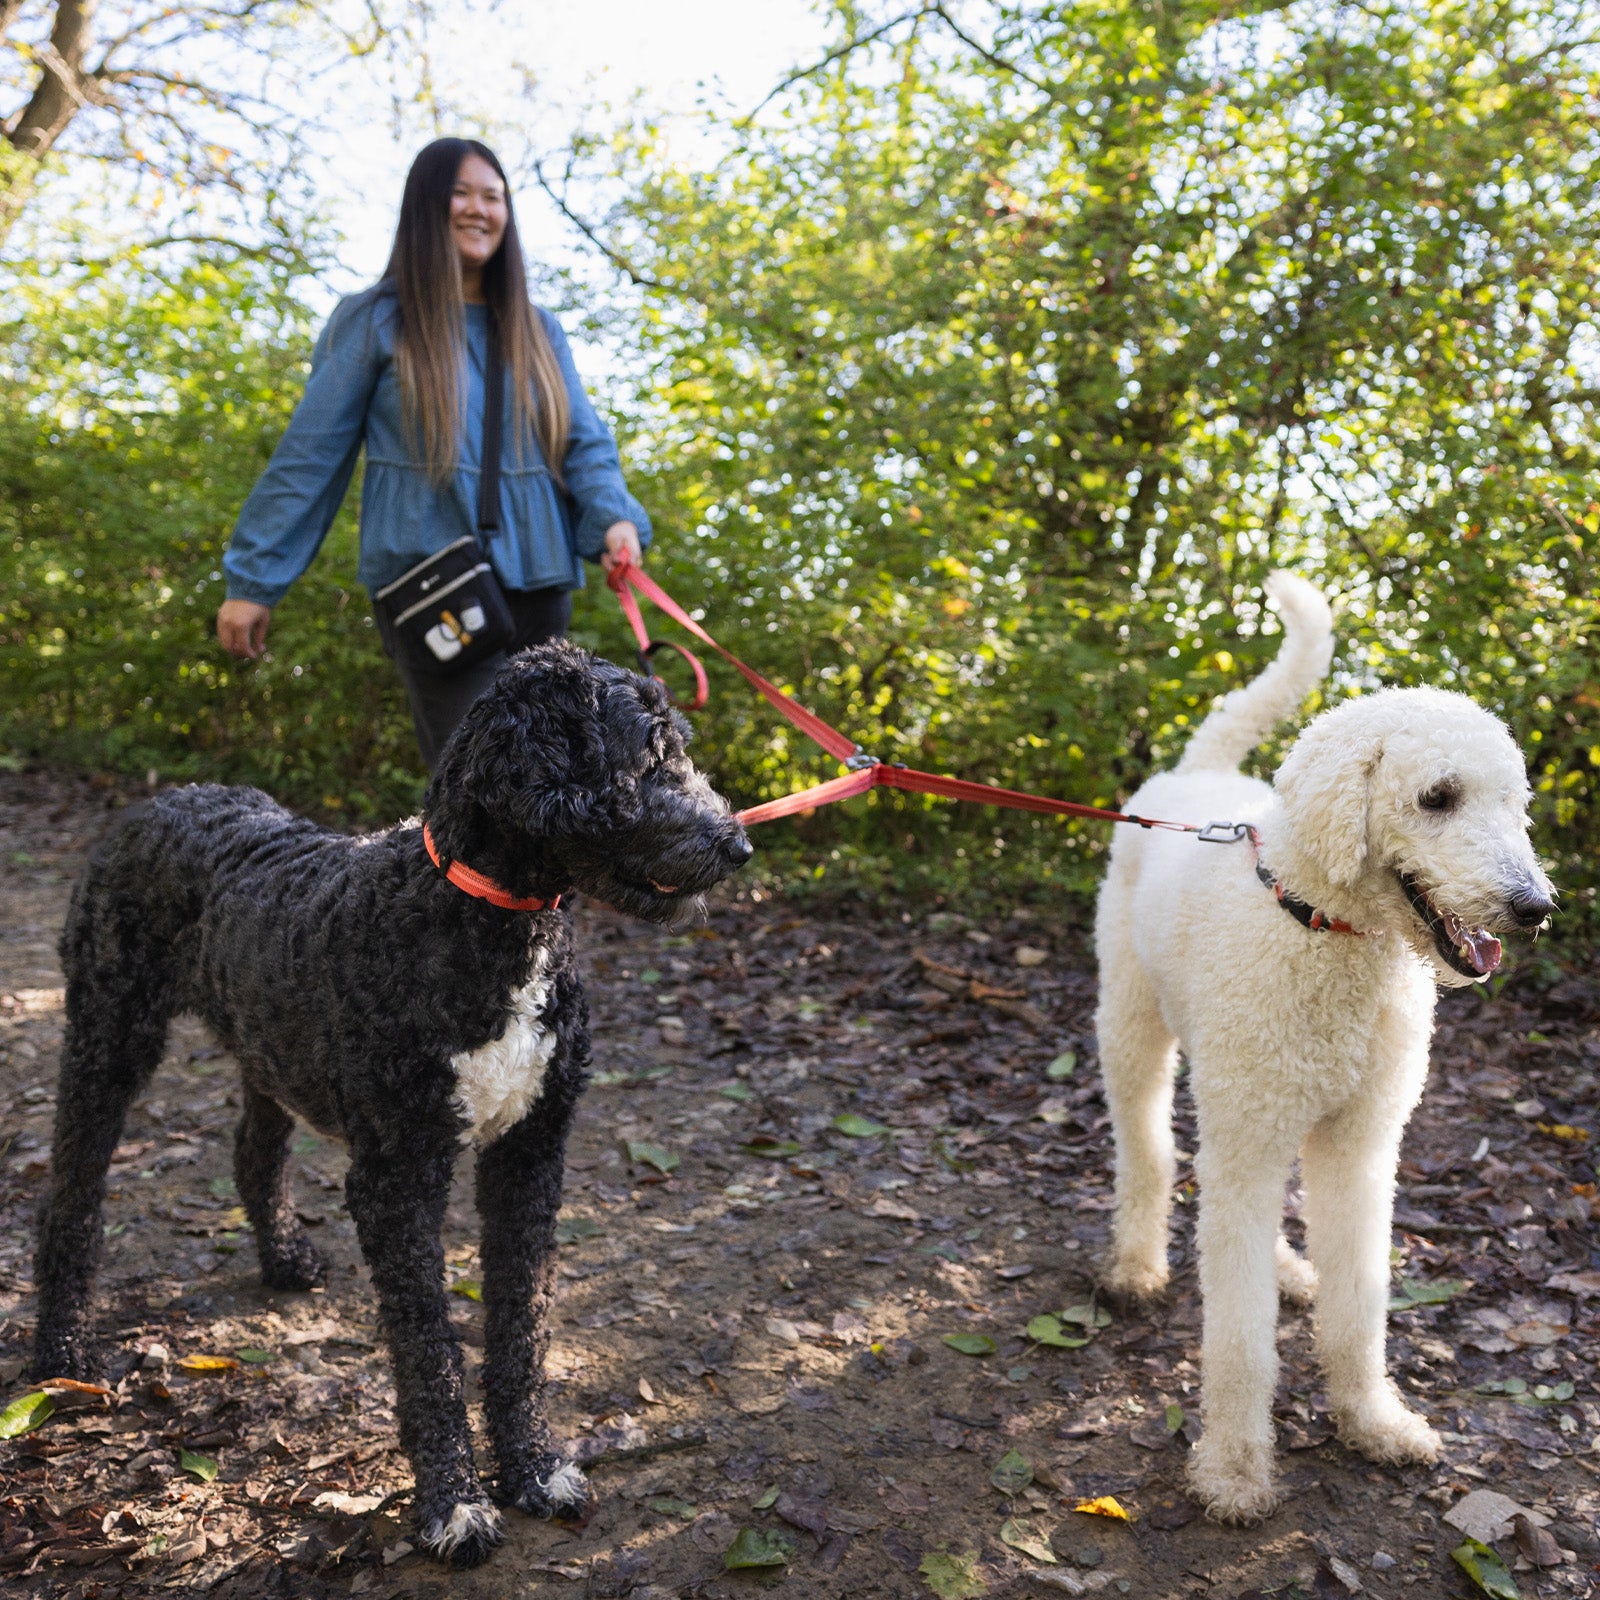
{"points": [[494, 386]]}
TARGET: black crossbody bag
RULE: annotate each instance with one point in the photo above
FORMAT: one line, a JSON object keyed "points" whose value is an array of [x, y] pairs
{"points": [[449, 612]]}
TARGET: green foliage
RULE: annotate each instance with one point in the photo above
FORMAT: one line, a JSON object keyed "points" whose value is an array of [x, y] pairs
{"points": [[975, 391], [978, 399], [138, 411]]}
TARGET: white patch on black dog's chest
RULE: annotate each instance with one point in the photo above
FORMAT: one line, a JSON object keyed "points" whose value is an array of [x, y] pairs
{"points": [[498, 1082]]}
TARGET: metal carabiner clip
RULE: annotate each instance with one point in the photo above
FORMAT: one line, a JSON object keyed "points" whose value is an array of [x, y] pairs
{"points": [[1223, 833]]}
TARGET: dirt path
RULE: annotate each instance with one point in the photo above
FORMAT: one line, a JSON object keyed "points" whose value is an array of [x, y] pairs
{"points": [[757, 1339]]}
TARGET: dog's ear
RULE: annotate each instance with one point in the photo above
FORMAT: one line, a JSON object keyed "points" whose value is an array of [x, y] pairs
{"points": [[1325, 784], [531, 750]]}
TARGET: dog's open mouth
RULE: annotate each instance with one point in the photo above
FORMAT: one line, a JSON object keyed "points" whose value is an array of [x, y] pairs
{"points": [[1473, 952]]}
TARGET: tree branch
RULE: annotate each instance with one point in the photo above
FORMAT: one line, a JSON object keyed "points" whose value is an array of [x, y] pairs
{"points": [[937, 9], [837, 54], [615, 257], [62, 91]]}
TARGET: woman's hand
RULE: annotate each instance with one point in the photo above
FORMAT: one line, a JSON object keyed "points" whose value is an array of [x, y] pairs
{"points": [[242, 626], [622, 544]]}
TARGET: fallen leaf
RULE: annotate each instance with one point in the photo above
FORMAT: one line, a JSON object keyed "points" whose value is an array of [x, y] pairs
{"points": [[25, 1413], [770, 1149], [736, 1091], [1580, 1283], [1046, 1329], [854, 1126], [1413, 1292], [468, 1288], [642, 1153], [1086, 1316], [351, 1505], [203, 1467], [1538, 1333], [903, 1548], [1063, 1066], [953, 1577], [971, 1344], [1104, 1505], [768, 1499], [669, 1507], [208, 1363], [183, 1550], [1171, 1512], [800, 1512], [1020, 1536], [1011, 1473], [569, 1230], [1534, 1543], [1564, 1130], [1486, 1515], [1486, 1569], [256, 1357], [907, 1500], [1343, 1574], [753, 1547]]}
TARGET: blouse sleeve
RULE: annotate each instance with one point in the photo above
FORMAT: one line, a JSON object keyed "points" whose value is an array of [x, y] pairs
{"points": [[591, 469], [291, 508]]}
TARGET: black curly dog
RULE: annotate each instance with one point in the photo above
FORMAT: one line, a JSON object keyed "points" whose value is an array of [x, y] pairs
{"points": [[360, 989]]}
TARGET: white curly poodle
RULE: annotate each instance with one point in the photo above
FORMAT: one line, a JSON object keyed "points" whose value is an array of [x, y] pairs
{"points": [[1400, 817]]}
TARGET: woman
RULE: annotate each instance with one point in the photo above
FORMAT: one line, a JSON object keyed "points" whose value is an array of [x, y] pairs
{"points": [[400, 368]]}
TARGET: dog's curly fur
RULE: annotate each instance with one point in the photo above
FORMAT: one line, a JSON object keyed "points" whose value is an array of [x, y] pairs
{"points": [[360, 990], [1402, 813]]}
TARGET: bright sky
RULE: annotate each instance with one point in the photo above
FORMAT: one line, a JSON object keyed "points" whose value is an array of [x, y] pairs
{"points": [[666, 53]]}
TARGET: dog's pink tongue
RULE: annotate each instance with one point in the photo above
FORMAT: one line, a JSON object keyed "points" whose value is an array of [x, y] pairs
{"points": [[1478, 945], [1483, 949]]}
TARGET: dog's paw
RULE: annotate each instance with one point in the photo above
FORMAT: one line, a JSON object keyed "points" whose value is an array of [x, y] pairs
{"points": [[1297, 1278], [1233, 1481], [1389, 1431], [547, 1487], [1137, 1278], [297, 1265], [465, 1536]]}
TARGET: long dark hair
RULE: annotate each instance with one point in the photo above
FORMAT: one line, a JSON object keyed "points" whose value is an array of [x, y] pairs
{"points": [[430, 347]]}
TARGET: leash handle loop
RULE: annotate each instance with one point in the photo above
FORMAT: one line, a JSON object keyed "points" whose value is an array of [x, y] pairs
{"points": [[624, 575], [617, 578]]}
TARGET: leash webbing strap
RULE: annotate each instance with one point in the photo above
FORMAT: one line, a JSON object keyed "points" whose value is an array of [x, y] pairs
{"points": [[648, 647], [869, 772], [625, 574]]}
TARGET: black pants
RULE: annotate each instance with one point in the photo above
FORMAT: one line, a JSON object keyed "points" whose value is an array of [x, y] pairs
{"points": [[439, 704]]}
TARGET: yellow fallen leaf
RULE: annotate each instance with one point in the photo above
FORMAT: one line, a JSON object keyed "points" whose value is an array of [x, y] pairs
{"points": [[207, 1363], [1563, 1130], [1104, 1505]]}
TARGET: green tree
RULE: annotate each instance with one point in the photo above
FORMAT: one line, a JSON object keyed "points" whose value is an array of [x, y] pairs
{"points": [[183, 101], [136, 410], [994, 364]]}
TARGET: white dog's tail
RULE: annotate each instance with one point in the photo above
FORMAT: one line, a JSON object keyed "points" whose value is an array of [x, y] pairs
{"points": [[1241, 720]]}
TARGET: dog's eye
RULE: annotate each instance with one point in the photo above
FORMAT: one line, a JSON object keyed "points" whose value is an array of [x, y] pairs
{"points": [[1441, 797]]}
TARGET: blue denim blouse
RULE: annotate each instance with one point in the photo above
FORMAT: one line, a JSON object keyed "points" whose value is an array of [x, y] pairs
{"points": [[353, 398]]}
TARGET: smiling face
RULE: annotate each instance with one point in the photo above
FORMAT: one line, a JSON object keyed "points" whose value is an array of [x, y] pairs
{"points": [[478, 213], [1416, 801]]}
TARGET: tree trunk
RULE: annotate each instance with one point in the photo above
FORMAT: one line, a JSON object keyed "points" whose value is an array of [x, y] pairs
{"points": [[62, 92]]}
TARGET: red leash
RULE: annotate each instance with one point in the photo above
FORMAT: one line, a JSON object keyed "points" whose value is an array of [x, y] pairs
{"points": [[867, 772]]}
